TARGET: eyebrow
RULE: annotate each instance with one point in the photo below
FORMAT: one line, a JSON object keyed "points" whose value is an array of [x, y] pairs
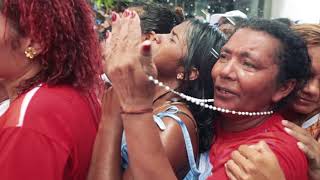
{"points": [[175, 34], [225, 49], [242, 54]]}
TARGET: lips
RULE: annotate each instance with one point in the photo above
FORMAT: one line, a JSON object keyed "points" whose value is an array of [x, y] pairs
{"points": [[225, 92]]}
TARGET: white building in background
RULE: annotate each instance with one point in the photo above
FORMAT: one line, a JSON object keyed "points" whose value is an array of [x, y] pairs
{"points": [[306, 11]]}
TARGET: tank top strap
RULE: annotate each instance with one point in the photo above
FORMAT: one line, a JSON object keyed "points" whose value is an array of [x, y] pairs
{"points": [[171, 112]]}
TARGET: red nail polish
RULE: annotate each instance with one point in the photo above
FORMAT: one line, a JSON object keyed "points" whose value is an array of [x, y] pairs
{"points": [[146, 48], [113, 17], [107, 34], [133, 14], [126, 13]]}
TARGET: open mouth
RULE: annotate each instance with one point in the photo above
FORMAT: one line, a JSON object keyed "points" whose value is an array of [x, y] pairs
{"points": [[224, 92]]}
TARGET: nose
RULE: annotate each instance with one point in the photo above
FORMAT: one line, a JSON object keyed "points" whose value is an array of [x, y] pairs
{"points": [[312, 89], [228, 70]]}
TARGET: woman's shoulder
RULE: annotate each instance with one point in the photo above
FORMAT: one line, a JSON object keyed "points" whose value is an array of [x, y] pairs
{"points": [[63, 104]]}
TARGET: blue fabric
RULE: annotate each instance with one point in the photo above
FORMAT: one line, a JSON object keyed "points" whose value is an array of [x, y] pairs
{"points": [[172, 113]]}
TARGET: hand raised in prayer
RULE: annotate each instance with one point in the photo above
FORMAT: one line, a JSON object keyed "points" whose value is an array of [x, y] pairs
{"points": [[130, 63]]}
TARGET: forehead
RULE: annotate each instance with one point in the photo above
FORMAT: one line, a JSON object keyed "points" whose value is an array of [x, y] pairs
{"points": [[258, 43], [314, 53], [181, 28]]}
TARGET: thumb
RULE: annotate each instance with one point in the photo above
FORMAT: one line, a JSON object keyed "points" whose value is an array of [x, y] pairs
{"points": [[146, 59]]}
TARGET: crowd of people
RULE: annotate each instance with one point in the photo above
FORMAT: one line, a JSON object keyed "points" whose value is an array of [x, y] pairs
{"points": [[154, 95]]}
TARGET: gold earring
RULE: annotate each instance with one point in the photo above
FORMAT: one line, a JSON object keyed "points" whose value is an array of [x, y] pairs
{"points": [[180, 76], [30, 52]]}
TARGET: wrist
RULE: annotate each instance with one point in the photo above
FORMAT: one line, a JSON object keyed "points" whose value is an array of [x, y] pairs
{"points": [[137, 111], [136, 107]]}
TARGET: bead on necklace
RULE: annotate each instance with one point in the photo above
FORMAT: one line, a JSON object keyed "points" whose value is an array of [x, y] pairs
{"points": [[204, 102]]}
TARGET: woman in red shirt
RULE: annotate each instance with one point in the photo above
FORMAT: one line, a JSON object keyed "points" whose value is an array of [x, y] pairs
{"points": [[49, 65], [262, 65]]}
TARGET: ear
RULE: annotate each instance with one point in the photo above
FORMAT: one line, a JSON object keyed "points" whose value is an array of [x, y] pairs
{"points": [[152, 36], [284, 90], [27, 42], [194, 73]]}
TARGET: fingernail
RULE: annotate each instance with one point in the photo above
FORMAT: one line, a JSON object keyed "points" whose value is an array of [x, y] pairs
{"points": [[300, 145], [114, 17], [146, 46], [107, 34], [289, 131], [284, 122], [126, 13], [133, 14]]}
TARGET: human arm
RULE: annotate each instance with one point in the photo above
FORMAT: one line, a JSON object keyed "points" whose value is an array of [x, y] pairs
{"points": [[254, 162], [176, 142], [126, 70], [106, 158], [308, 145]]}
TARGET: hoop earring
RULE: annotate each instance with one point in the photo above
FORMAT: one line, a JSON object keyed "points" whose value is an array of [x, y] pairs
{"points": [[30, 52]]}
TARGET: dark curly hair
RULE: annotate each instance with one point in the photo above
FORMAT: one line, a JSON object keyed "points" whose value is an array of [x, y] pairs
{"points": [[291, 56], [201, 38], [65, 30]]}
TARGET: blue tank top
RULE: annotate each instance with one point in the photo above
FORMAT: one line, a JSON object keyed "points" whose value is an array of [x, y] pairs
{"points": [[204, 162]]}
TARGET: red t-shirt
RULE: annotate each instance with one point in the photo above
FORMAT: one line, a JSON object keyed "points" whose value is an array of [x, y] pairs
{"points": [[292, 161], [55, 138]]}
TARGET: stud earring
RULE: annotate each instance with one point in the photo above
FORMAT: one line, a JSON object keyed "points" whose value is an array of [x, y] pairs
{"points": [[30, 52], [180, 76]]}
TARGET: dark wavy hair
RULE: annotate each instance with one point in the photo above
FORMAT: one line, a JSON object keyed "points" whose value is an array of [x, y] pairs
{"points": [[156, 17], [65, 30], [291, 55], [201, 38]]}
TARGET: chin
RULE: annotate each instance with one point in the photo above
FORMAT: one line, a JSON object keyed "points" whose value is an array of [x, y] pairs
{"points": [[223, 104]]}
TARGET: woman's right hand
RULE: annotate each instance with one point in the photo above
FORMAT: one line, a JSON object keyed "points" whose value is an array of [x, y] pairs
{"points": [[129, 64], [254, 162], [308, 145]]}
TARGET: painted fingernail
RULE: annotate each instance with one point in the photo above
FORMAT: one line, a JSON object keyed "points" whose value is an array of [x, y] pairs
{"points": [[114, 17], [126, 13], [107, 34], [133, 14], [146, 46]]}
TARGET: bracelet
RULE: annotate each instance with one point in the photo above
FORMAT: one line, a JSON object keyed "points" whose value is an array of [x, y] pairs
{"points": [[141, 111]]}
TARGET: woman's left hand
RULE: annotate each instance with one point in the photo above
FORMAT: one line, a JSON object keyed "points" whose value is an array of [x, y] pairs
{"points": [[129, 64], [254, 162], [308, 145]]}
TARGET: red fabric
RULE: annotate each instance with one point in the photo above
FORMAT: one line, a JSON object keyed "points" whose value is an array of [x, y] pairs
{"points": [[292, 161], [55, 141]]}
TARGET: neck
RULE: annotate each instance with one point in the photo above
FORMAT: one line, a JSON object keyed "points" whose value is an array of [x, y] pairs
{"points": [[161, 94], [3, 94], [235, 123], [12, 84], [291, 115]]}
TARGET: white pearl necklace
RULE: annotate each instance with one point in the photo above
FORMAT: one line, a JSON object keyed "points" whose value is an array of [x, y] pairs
{"points": [[203, 102]]}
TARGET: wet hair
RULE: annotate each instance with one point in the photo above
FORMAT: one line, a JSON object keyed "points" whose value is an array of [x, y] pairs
{"points": [[64, 29], [309, 32], [291, 55], [201, 38], [155, 17]]}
